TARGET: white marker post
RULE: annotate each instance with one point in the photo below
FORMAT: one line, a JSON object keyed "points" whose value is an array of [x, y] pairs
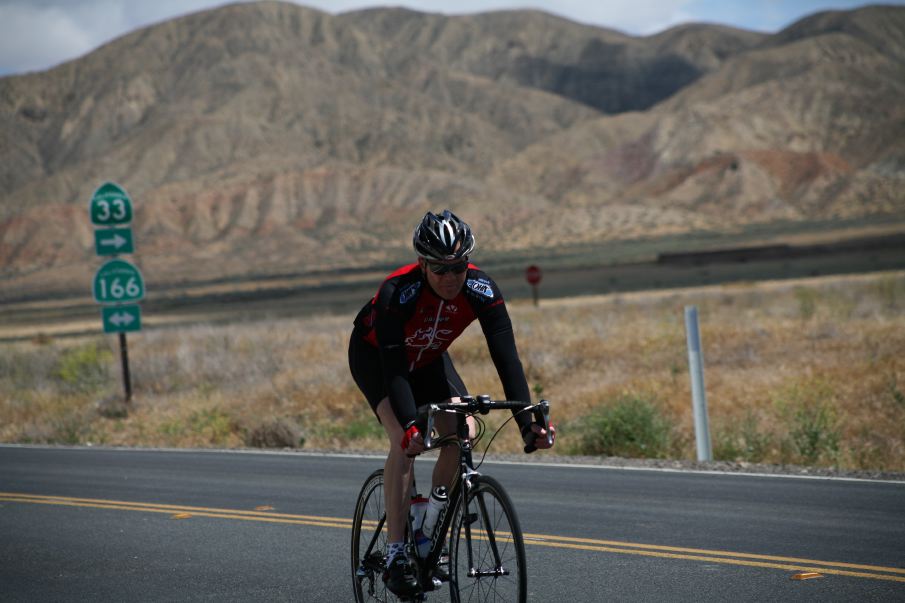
{"points": [[698, 394]]}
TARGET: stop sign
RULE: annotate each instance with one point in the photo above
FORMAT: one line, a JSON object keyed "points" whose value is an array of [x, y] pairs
{"points": [[532, 274]]}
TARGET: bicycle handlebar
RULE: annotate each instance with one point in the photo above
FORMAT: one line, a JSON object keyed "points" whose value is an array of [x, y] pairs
{"points": [[470, 405]]}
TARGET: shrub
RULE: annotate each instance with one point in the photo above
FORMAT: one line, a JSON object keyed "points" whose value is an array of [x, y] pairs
{"points": [[276, 433], [888, 290], [84, 368], [113, 407], [897, 396], [353, 429], [814, 431], [632, 426], [742, 441], [807, 302], [213, 425]]}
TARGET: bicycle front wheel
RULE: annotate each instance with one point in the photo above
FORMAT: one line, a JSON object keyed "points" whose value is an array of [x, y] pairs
{"points": [[487, 552], [369, 543]]}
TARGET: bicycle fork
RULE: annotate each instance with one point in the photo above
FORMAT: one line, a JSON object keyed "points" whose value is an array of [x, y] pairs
{"points": [[469, 518], [488, 534]]}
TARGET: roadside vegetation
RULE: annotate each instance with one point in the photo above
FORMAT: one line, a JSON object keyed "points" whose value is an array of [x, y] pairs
{"points": [[808, 372]]}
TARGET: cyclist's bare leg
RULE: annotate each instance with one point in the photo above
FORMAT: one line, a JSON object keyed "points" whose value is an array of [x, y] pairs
{"points": [[397, 474]]}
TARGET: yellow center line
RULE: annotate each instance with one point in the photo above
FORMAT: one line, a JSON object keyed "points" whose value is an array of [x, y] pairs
{"points": [[541, 538], [191, 510], [174, 508], [565, 542], [825, 567]]}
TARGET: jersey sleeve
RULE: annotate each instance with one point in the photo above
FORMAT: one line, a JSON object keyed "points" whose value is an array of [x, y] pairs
{"points": [[482, 292], [497, 328]]}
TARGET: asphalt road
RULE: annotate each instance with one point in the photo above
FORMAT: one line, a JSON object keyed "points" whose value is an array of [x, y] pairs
{"points": [[82, 524]]}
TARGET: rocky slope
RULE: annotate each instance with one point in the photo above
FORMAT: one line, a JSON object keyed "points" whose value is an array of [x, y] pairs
{"points": [[270, 138]]}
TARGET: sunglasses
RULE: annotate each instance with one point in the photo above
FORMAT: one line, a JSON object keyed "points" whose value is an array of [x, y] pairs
{"points": [[440, 268]]}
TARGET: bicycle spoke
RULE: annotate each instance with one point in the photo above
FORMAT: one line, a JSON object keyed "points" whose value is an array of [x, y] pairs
{"points": [[369, 543], [488, 561]]}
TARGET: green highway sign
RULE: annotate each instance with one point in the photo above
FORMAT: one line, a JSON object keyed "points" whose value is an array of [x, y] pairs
{"points": [[110, 206], [118, 281], [121, 319], [113, 241]]}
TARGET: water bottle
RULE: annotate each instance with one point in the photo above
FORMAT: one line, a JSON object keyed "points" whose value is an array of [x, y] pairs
{"points": [[417, 510], [437, 502]]}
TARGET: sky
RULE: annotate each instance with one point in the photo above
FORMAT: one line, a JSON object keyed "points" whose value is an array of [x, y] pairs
{"points": [[38, 34]]}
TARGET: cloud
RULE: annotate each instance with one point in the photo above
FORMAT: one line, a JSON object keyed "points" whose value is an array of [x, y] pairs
{"points": [[630, 16], [38, 34], [43, 33], [35, 37], [636, 17]]}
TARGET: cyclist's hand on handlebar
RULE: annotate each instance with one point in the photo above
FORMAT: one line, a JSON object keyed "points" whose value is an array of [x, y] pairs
{"points": [[412, 441], [538, 436]]}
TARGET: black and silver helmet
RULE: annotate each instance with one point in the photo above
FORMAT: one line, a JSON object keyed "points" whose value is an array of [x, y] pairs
{"points": [[443, 236]]}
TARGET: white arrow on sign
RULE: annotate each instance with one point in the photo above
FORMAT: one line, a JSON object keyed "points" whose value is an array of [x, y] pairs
{"points": [[122, 319], [117, 241]]}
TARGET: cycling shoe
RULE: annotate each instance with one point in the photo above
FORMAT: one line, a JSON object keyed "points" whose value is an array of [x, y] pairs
{"points": [[400, 577]]}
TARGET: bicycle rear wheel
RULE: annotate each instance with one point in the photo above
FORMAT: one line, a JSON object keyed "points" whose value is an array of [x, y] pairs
{"points": [[487, 552], [369, 543]]}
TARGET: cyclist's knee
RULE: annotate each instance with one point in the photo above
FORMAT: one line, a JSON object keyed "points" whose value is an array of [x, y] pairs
{"points": [[389, 421]]}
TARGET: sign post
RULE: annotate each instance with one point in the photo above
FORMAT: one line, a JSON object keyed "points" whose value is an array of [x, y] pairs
{"points": [[116, 282], [533, 276]]}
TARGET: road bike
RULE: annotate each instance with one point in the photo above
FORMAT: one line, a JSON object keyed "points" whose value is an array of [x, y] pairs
{"points": [[484, 557]]}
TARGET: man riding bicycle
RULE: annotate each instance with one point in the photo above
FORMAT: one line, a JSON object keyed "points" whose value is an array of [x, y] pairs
{"points": [[398, 358]]}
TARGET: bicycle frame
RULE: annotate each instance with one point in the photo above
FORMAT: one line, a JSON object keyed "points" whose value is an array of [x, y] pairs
{"points": [[428, 564], [458, 494]]}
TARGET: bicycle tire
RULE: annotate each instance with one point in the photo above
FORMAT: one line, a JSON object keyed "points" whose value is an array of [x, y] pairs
{"points": [[370, 515], [496, 542]]}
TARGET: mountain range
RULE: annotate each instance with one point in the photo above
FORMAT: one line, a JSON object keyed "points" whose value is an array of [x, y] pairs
{"points": [[268, 138]]}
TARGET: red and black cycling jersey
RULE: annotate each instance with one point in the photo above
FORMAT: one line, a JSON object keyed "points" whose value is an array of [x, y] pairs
{"points": [[412, 326]]}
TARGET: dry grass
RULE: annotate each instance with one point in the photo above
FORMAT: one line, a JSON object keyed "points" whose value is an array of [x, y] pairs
{"points": [[809, 372]]}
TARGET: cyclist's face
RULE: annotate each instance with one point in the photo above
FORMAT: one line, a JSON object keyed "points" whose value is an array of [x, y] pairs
{"points": [[446, 285]]}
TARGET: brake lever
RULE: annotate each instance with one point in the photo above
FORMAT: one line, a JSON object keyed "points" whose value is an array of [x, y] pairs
{"points": [[541, 414], [429, 430]]}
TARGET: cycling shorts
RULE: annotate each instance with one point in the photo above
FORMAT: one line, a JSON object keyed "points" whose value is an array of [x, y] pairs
{"points": [[434, 382]]}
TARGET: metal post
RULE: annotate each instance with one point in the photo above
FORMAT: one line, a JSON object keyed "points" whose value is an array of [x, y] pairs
{"points": [[124, 355], [535, 294], [698, 394]]}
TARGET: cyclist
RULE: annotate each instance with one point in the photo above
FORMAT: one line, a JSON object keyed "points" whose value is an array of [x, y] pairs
{"points": [[398, 358]]}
